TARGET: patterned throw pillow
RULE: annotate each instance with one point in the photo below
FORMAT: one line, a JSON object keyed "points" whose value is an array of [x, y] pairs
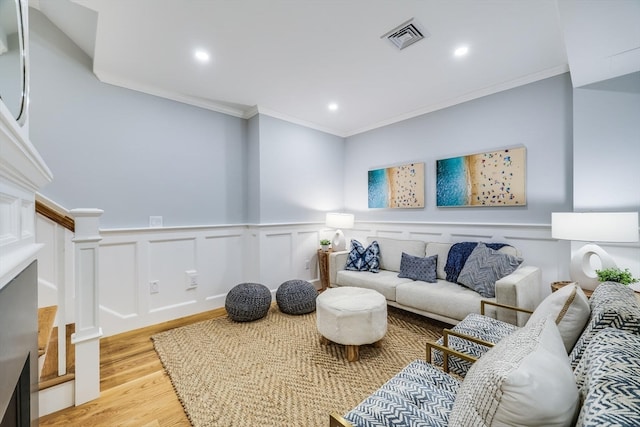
{"points": [[457, 257], [608, 378], [484, 267], [363, 259], [525, 379], [418, 268]]}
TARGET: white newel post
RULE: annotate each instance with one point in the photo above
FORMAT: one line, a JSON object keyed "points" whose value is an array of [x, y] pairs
{"points": [[88, 330]]}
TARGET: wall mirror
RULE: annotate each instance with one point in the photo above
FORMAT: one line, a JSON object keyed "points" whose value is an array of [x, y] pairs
{"points": [[13, 68]]}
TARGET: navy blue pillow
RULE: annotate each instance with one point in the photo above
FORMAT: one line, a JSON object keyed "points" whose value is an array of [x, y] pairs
{"points": [[363, 259], [418, 268]]}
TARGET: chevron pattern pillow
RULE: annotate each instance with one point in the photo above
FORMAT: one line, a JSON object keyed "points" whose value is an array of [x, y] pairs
{"points": [[484, 267], [418, 268], [363, 259], [612, 306], [608, 378]]}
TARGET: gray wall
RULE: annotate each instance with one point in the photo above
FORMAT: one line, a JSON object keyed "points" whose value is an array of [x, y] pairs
{"points": [[131, 154], [607, 145], [537, 116], [136, 155], [301, 172]]}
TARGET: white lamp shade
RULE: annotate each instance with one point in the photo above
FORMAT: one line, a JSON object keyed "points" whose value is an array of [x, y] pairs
{"points": [[340, 220], [593, 227], [616, 227]]}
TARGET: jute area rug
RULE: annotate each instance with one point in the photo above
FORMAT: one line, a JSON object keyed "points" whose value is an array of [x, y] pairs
{"points": [[275, 372]]}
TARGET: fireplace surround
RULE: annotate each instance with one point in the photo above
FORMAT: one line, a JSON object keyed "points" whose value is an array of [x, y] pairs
{"points": [[19, 349]]}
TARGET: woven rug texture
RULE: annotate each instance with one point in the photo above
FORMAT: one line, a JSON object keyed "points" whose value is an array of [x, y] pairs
{"points": [[275, 372]]}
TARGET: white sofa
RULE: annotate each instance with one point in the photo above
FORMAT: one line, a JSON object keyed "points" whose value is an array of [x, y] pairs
{"points": [[444, 301]]}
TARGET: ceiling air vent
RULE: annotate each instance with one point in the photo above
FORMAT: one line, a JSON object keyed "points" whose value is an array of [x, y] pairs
{"points": [[406, 34]]}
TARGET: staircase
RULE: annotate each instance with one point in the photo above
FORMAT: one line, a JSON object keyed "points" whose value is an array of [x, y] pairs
{"points": [[48, 363]]}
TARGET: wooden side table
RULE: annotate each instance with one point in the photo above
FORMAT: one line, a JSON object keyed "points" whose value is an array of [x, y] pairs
{"points": [[323, 264], [558, 285]]}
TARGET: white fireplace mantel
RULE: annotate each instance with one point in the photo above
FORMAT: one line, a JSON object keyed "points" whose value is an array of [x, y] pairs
{"points": [[22, 173]]}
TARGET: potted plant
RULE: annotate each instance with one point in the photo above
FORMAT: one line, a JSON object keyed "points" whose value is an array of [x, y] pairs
{"points": [[324, 243], [616, 275]]}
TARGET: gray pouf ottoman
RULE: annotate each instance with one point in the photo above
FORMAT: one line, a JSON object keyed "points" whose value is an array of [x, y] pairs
{"points": [[248, 301], [296, 297]]}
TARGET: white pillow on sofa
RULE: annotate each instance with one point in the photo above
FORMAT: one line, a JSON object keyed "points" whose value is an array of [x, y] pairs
{"points": [[524, 380], [391, 251], [569, 308]]}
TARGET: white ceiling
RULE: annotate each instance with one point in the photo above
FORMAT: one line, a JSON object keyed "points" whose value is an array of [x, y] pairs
{"points": [[291, 58]]}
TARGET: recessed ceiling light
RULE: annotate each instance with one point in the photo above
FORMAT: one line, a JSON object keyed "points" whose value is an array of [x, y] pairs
{"points": [[461, 51], [202, 55], [333, 106]]}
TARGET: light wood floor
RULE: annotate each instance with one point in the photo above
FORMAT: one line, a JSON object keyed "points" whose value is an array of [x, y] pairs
{"points": [[135, 390]]}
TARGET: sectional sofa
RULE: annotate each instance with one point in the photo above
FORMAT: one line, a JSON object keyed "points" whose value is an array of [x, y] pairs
{"points": [[443, 300]]}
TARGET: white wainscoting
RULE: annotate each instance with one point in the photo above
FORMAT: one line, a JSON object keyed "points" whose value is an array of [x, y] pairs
{"points": [[533, 240], [224, 256]]}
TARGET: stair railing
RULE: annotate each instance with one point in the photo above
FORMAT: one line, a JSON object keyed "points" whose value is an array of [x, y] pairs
{"points": [[84, 257]]}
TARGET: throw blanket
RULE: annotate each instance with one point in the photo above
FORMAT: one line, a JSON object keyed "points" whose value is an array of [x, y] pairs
{"points": [[458, 255]]}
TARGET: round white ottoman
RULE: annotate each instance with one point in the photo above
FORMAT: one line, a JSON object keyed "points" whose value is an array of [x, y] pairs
{"points": [[352, 317]]}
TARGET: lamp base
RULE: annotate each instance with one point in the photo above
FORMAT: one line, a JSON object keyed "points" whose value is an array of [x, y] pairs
{"points": [[339, 243], [581, 269]]}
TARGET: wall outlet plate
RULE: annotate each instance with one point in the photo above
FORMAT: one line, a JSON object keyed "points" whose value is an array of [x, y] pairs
{"points": [[154, 286], [192, 279], [155, 221]]}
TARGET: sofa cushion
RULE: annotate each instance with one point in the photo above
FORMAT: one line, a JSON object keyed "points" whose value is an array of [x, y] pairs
{"points": [[443, 298], [418, 268], [442, 251], [525, 379], [475, 325], [391, 251], [612, 305], [419, 395], [384, 282], [608, 378], [484, 267], [363, 259], [569, 308]]}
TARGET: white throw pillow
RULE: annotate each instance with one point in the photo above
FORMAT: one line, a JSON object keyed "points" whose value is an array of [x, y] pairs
{"points": [[524, 380], [442, 251], [391, 251], [569, 308]]}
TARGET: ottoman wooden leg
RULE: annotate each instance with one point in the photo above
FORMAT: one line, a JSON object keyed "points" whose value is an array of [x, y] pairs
{"points": [[353, 353], [324, 341], [377, 344]]}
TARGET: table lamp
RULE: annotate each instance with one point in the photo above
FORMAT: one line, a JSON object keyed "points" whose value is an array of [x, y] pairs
{"points": [[614, 227], [339, 221]]}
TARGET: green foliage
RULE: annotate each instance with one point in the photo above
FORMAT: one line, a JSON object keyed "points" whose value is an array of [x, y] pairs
{"points": [[616, 275], [325, 242]]}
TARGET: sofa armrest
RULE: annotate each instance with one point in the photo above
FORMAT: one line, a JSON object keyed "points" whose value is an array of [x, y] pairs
{"points": [[337, 261], [522, 288]]}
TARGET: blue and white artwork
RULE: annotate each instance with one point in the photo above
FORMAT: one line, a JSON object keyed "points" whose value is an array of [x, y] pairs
{"points": [[397, 187], [495, 178]]}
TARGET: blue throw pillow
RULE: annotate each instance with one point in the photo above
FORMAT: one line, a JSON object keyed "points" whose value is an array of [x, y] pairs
{"points": [[364, 259], [418, 268]]}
